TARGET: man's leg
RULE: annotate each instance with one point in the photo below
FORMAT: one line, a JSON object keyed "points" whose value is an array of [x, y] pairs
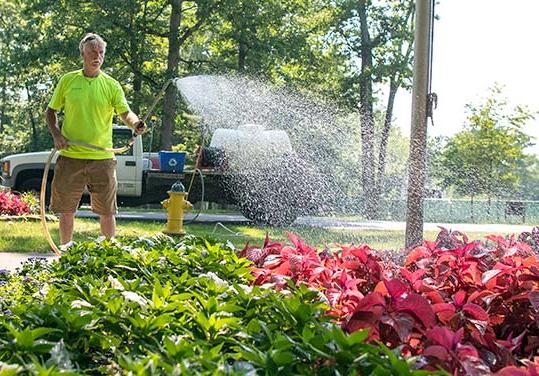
{"points": [[102, 187], [67, 187], [108, 225], [66, 227]]}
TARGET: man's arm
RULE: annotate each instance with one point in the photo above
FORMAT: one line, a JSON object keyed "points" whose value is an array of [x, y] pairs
{"points": [[132, 120], [52, 122]]}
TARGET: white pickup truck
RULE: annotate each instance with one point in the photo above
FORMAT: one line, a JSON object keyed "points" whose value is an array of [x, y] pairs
{"points": [[274, 191], [139, 178]]}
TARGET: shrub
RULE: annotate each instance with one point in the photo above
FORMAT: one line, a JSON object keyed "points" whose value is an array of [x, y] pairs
{"points": [[11, 204], [468, 306]]}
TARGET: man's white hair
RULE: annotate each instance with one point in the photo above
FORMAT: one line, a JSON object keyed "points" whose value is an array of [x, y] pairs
{"points": [[92, 38]]}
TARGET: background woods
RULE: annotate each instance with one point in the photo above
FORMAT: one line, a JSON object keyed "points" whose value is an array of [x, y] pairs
{"points": [[354, 55]]}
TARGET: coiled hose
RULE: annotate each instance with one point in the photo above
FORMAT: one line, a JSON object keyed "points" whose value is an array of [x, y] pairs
{"points": [[46, 175]]}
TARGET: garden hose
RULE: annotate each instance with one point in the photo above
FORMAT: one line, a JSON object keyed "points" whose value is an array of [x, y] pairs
{"points": [[46, 175]]}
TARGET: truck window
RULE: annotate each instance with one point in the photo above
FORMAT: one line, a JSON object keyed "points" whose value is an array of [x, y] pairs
{"points": [[120, 138]]}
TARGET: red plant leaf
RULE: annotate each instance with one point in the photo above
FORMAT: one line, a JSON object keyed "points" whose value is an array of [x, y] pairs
{"points": [[381, 288], [446, 258], [533, 296], [272, 261], [412, 277], [431, 246], [472, 273], [512, 371], [369, 301], [361, 253], [444, 311], [396, 288], [532, 262], [417, 253], [459, 298], [256, 255], [419, 307], [298, 243], [443, 307], [489, 274], [528, 277], [486, 297], [441, 336], [435, 297], [464, 251], [364, 320], [475, 311], [438, 352], [282, 269], [532, 345], [457, 338], [474, 366], [466, 351], [513, 343], [402, 324]]}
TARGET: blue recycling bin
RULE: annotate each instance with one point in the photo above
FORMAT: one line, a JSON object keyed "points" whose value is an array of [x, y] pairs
{"points": [[171, 161]]}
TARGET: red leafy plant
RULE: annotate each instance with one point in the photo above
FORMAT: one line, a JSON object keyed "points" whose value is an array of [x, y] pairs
{"points": [[470, 307], [11, 204]]}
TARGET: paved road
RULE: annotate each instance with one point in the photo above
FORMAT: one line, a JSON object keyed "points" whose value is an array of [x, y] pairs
{"points": [[323, 222], [11, 261]]}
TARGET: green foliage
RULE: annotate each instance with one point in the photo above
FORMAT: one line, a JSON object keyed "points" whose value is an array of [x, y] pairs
{"points": [[390, 26], [157, 306], [487, 157], [32, 200]]}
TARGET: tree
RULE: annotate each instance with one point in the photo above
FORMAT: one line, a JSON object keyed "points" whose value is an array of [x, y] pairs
{"points": [[380, 36], [486, 157], [529, 179]]}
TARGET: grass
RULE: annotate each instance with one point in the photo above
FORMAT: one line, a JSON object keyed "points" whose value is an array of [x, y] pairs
{"points": [[28, 236]]}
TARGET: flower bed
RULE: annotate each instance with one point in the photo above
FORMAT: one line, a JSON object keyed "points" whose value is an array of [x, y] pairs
{"points": [[12, 204], [470, 307], [156, 306]]}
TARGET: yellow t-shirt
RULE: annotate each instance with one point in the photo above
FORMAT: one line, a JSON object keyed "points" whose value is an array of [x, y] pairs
{"points": [[89, 104]]}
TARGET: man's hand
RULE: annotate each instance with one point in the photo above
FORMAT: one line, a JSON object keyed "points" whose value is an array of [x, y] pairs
{"points": [[140, 127], [60, 142]]}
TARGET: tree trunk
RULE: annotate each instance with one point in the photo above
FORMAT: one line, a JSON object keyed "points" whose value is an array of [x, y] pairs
{"points": [[3, 117], [382, 153], [32, 120], [242, 54], [136, 54], [173, 60], [366, 113], [471, 209]]}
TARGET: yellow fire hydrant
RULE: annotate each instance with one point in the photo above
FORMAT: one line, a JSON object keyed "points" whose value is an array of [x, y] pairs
{"points": [[175, 205]]}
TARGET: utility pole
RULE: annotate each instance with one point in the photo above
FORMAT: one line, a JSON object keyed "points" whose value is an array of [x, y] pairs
{"points": [[418, 135]]}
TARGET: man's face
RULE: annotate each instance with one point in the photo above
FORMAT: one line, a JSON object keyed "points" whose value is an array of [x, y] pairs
{"points": [[93, 55]]}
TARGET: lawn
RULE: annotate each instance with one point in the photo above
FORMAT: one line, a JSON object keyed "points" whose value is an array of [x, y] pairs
{"points": [[28, 236]]}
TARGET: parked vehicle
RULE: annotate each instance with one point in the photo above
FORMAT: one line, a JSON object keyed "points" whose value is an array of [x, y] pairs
{"points": [[139, 178], [269, 192]]}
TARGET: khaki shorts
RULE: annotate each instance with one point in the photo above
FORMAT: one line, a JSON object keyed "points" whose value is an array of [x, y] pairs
{"points": [[72, 176]]}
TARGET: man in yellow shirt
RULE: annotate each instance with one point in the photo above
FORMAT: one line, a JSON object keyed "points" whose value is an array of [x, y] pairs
{"points": [[89, 98]]}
